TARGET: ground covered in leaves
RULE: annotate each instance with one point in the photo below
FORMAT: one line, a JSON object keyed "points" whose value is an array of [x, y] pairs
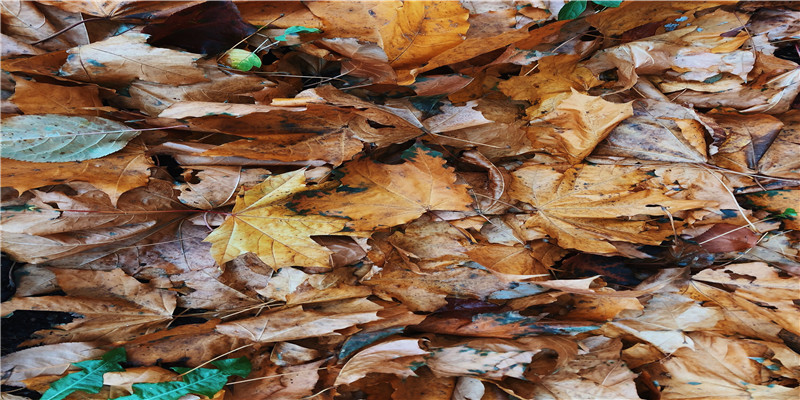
{"points": [[401, 200]]}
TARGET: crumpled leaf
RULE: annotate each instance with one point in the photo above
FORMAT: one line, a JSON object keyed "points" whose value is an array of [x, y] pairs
{"points": [[394, 356], [114, 174], [720, 367], [576, 125], [108, 301], [373, 195], [420, 31], [261, 223], [58, 138], [51, 359], [596, 369], [300, 322], [118, 60], [581, 206]]}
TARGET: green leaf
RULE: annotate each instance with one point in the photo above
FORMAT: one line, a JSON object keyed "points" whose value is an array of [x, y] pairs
{"points": [[242, 60], [205, 381], [572, 10], [607, 3], [59, 138], [295, 30], [89, 380]]}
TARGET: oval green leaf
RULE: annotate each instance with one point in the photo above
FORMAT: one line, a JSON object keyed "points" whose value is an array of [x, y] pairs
{"points": [[59, 138], [607, 3], [572, 10]]}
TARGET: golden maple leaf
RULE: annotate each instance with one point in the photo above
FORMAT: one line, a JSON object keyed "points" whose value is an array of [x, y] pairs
{"points": [[262, 224]]}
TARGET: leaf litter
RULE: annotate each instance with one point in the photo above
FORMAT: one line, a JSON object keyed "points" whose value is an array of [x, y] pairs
{"points": [[402, 199]]}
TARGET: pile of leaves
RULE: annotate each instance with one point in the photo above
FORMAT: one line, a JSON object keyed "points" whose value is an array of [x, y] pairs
{"points": [[403, 199]]}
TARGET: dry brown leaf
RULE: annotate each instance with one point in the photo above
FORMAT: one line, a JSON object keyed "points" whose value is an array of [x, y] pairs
{"points": [[720, 367], [298, 322], [581, 206], [208, 187], [332, 148], [554, 81], [393, 356], [596, 369], [119, 60], [419, 31], [108, 302], [43, 98], [779, 159], [114, 174], [576, 125], [51, 359], [657, 131], [373, 195]]}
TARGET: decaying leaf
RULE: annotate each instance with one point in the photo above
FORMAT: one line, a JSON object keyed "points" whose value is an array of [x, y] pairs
{"points": [[375, 195], [581, 206]]}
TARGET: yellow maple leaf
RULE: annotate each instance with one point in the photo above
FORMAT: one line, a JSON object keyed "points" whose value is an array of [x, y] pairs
{"points": [[262, 224]]}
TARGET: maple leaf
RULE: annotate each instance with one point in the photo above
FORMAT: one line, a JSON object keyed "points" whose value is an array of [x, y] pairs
{"points": [[373, 195], [581, 206], [263, 224]]}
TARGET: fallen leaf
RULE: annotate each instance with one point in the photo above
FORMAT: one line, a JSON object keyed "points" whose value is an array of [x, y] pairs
{"points": [[372, 195], [576, 125], [114, 174], [53, 359], [119, 60], [394, 356], [107, 301], [42, 98], [581, 205], [261, 223], [297, 323], [56, 138]]}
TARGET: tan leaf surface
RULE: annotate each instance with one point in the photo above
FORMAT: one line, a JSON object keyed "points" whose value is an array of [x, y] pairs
{"points": [[499, 358], [51, 359], [375, 195], [107, 301], [119, 60], [554, 81], [779, 159], [777, 202], [420, 31], [394, 356], [114, 174], [597, 369], [43, 98], [297, 322], [720, 367], [576, 125], [658, 131], [261, 223], [332, 148], [581, 206], [216, 186]]}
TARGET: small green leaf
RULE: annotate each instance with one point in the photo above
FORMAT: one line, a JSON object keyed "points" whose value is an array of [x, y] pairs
{"points": [[242, 60], [295, 30], [572, 10], [89, 380], [59, 138], [607, 3], [204, 381]]}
